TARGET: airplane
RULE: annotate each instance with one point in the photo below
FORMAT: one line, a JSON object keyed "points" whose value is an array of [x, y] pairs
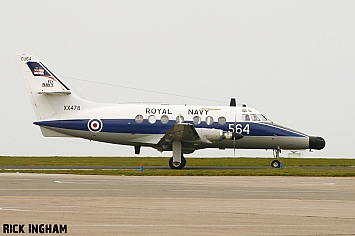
{"points": [[181, 129]]}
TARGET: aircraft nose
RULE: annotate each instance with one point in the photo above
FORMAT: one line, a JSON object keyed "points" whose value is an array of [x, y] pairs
{"points": [[317, 143]]}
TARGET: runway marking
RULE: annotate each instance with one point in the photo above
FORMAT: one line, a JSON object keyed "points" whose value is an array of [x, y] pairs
{"points": [[64, 182], [189, 190], [312, 184], [280, 191], [12, 209], [17, 209], [83, 182]]}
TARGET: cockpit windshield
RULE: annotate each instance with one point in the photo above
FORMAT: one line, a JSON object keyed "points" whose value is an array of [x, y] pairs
{"points": [[255, 117], [262, 117], [246, 117]]}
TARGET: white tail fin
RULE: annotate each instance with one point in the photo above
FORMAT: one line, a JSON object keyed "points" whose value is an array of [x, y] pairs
{"points": [[50, 97]]}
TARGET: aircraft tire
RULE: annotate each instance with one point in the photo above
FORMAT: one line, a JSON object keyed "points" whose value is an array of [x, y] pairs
{"points": [[174, 166], [275, 164], [183, 162]]}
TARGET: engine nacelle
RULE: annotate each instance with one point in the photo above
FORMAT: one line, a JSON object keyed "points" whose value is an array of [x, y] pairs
{"points": [[214, 134]]}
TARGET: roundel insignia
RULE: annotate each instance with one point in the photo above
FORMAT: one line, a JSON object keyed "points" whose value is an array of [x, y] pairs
{"points": [[95, 125]]}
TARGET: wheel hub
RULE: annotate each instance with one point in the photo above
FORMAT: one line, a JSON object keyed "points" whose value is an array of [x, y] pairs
{"points": [[176, 164]]}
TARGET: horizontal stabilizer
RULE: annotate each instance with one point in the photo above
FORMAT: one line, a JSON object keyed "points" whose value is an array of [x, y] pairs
{"points": [[51, 133], [55, 92]]}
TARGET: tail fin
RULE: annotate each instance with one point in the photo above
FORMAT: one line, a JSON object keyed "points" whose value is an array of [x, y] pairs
{"points": [[48, 94]]}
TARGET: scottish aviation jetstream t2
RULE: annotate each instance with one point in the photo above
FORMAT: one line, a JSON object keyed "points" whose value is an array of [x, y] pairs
{"points": [[180, 129]]}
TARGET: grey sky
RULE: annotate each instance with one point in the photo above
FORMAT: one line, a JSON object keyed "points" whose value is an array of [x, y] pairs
{"points": [[291, 60]]}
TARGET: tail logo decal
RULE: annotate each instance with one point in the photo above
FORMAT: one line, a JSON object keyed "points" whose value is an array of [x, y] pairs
{"points": [[49, 83], [95, 125], [47, 80], [37, 69]]}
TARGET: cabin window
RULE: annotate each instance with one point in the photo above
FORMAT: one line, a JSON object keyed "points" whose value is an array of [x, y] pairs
{"points": [[139, 119], [254, 117], [246, 117], [197, 120], [209, 120], [152, 119], [179, 119], [164, 119], [222, 120]]}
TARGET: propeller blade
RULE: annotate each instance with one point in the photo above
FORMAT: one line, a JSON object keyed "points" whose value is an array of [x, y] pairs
{"points": [[233, 103], [234, 132]]}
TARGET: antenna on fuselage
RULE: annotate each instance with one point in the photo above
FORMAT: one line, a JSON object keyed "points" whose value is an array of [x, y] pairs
{"points": [[233, 103]]}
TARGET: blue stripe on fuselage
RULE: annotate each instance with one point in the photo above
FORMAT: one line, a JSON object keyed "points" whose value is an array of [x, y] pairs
{"points": [[130, 126]]}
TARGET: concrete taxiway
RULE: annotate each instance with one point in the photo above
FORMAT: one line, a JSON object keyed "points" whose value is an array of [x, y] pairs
{"points": [[180, 205]]}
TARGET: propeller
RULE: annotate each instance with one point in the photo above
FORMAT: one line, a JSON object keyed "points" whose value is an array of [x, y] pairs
{"points": [[233, 103], [234, 132]]}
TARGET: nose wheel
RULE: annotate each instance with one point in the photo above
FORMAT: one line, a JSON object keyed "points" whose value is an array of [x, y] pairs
{"points": [[276, 163]]}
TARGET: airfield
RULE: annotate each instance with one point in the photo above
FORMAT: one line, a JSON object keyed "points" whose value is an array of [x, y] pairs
{"points": [[180, 205], [106, 200]]}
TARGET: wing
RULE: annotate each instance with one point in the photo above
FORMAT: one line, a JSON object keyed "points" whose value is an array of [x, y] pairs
{"points": [[180, 132]]}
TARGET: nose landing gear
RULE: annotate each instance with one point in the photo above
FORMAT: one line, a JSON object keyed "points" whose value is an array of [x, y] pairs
{"points": [[276, 163]]}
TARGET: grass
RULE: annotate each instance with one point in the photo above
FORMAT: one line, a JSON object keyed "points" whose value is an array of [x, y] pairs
{"points": [[292, 166], [163, 161]]}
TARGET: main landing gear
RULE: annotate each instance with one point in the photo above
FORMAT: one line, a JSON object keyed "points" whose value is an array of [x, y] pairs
{"points": [[177, 161], [177, 165], [276, 163]]}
